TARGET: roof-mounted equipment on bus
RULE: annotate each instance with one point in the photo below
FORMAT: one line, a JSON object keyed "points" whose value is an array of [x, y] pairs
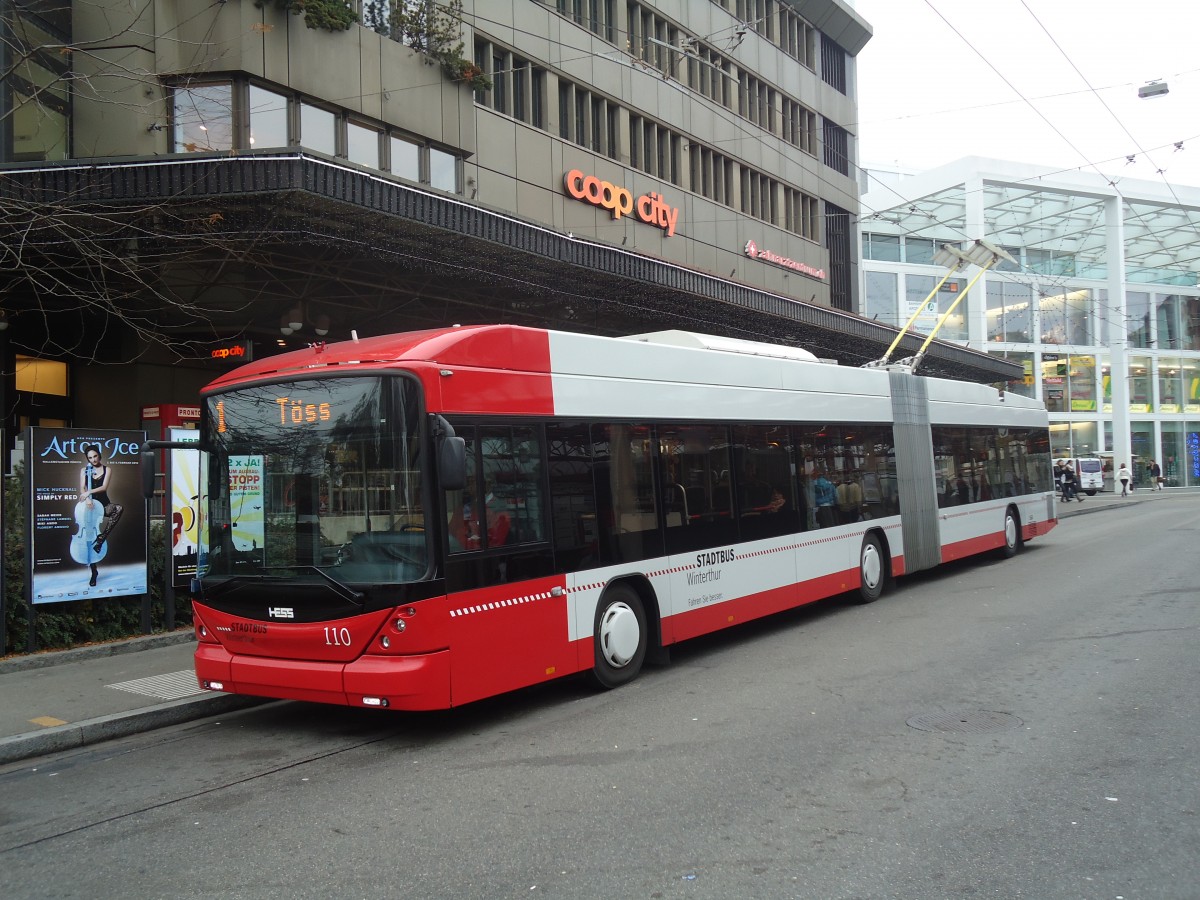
{"points": [[981, 253], [674, 338]]}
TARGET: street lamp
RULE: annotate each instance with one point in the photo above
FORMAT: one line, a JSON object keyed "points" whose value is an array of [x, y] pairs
{"points": [[292, 322]]}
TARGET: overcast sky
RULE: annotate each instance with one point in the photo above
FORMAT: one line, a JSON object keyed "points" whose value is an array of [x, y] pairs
{"points": [[1047, 82]]}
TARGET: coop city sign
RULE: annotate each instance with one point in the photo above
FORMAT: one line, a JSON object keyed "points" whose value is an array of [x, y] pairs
{"points": [[650, 208]]}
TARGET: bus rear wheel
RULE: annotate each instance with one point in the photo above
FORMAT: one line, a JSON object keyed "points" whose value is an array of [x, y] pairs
{"points": [[1012, 534], [620, 637], [872, 570]]}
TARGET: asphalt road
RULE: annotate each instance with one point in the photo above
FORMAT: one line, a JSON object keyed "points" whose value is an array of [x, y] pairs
{"points": [[1056, 756]]}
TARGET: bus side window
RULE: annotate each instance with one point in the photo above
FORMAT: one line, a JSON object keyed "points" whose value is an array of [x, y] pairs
{"points": [[503, 501], [572, 496], [626, 510]]}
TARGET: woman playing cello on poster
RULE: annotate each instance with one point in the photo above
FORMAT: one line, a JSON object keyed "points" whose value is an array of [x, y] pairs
{"points": [[96, 514]]}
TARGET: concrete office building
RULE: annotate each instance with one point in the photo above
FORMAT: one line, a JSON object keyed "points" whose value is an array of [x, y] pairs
{"points": [[187, 183], [1101, 309]]}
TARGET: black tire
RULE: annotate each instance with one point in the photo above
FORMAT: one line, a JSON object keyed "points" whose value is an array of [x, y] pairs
{"points": [[1091, 492], [1012, 534], [872, 570], [620, 637]]}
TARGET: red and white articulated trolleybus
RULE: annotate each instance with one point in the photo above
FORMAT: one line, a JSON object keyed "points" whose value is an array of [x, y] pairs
{"points": [[422, 520]]}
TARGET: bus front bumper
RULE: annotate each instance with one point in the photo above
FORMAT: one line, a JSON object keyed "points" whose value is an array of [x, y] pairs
{"points": [[420, 682]]}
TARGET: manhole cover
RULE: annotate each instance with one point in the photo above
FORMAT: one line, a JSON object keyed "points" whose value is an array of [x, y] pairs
{"points": [[975, 721]]}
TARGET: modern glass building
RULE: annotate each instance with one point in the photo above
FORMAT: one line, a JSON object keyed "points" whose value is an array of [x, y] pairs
{"points": [[1101, 308]]}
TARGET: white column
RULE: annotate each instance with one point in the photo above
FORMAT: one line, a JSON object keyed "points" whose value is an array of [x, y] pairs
{"points": [[1114, 228], [974, 217]]}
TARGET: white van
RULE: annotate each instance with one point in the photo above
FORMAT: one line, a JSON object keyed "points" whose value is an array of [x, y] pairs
{"points": [[1089, 473]]}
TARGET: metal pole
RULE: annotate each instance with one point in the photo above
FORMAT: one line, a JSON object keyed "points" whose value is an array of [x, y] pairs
{"points": [[147, 625], [31, 638], [917, 312], [942, 318], [3, 553]]}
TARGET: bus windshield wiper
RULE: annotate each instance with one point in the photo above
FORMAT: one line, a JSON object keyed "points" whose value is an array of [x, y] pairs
{"points": [[215, 585], [341, 588]]}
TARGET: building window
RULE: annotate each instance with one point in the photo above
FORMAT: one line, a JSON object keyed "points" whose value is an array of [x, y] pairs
{"points": [[406, 158], [597, 16], [800, 126], [40, 376], [1141, 400], [202, 117], [1178, 321], [1066, 317], [1009, 313], [538, 98], [796, 37], [833, 64], [318, 129], [837, 147], [597, 124], [1137, 313], [362, 145], [520, 84], [1023, 386], [919, 251], [881, 297], [883, 247], [1003, 265], [917, 288], [268, 118], [35, 87], [206, 112], [564, 109], [443, 170], [581, 108]]}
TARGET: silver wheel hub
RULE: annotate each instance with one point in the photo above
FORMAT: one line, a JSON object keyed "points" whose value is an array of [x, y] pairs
{"points": [[872, 566], [620, 634], [1010, 531]]}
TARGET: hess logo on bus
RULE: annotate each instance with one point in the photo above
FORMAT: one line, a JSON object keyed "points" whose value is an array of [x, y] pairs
{"points": [[650, 208]]}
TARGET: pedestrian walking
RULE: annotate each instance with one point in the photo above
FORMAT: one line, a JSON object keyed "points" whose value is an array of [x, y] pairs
{"points": [[1071, 483], [1156, 479], [1123, 476]]}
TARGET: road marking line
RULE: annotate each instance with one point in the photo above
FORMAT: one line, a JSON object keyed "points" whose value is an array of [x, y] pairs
{"points": [[172, 686], [48, 721]]}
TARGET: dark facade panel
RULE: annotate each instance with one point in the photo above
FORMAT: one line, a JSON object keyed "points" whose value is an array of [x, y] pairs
{"points": [[342, 201]]}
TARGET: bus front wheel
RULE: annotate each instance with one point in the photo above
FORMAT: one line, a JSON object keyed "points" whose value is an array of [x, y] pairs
{"points": [[872, 570], [620, 637]]}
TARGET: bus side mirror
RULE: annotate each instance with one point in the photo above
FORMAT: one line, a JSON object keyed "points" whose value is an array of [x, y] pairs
{"points": [[451, 455], [149, 472], [452, 463]]}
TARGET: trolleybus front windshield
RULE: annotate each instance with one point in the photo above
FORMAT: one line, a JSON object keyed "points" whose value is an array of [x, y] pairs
{"points": [[315, 480]]}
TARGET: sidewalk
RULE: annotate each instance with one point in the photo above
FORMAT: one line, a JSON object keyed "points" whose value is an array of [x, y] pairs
{"points": [[65, 699], [1113, 499], [61, 700]]}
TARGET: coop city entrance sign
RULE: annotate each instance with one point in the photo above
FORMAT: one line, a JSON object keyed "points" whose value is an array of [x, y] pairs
{"points": [[650, 208]]}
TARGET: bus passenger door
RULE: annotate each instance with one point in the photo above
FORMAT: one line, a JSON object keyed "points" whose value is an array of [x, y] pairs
{"points": [[508, 630]]}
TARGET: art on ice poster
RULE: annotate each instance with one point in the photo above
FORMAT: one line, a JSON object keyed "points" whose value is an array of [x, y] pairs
{"points": [[87, 525]]}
